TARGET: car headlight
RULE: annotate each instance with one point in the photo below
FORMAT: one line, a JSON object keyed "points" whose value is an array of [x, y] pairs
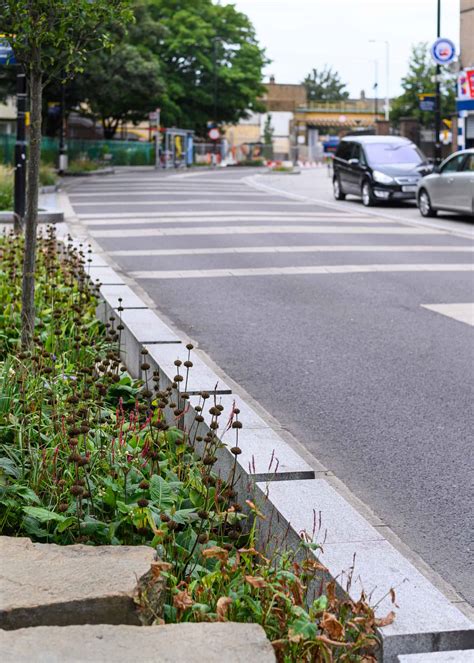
{"points": [[382, 178]]}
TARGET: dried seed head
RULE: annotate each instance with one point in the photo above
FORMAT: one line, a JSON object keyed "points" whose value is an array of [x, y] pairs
{"points": [[236, 451], [189, 346], [142, 502], [237, 424]]}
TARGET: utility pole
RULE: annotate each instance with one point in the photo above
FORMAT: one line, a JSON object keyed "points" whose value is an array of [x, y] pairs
{"points": [[63, 159], [157, 139], [437, 114], [20, 150], [376, 88]]}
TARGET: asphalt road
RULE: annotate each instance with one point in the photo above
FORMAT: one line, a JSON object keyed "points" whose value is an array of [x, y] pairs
{"points": [[318, 309]]}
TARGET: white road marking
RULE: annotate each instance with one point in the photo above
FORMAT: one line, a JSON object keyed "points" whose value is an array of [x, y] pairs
{"points": [[259, 230], [459, 312], [323, 218], [228, 214], [419, 223], [294, 271], [168, 192], [204, 201], [292, 249]]}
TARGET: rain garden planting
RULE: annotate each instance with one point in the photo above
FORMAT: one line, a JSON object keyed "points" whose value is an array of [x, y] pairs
{"points": [[88, 455]]}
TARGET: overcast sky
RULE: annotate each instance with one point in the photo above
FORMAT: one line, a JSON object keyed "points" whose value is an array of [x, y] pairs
{"points": [[301, 34]]}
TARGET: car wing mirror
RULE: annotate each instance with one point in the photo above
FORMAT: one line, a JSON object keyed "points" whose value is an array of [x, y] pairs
{"points": [[353, 162]]}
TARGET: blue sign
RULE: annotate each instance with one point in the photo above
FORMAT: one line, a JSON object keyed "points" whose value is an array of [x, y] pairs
{"points": [[427, 102], [6, 53], [443, 51]]}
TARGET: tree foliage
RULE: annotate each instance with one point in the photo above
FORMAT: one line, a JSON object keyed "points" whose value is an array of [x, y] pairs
{"points": [[325, 85], [50, 38], [210, 60], [418, 80], [124, 84]]}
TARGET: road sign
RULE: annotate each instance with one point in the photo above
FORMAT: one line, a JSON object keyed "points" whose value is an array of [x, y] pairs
{"points": [[443, 51], [214, 133], [6, 53], [427, 102]]}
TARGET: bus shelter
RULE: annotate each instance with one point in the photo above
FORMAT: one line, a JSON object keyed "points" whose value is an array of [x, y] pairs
{"points": [[176, 149]]}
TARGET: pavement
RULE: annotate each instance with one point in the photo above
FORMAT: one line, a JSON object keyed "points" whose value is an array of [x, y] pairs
{"points": [[351, 327]]}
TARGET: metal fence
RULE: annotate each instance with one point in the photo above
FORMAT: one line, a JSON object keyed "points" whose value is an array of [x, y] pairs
{"points": [[120, 153]]}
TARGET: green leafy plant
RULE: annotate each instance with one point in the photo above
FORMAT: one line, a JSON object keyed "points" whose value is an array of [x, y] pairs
{"points": [[6, 188]]}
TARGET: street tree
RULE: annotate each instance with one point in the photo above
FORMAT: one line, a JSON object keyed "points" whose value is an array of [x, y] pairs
{"points": [[210, 60], [50, 38], [418, 80], [124, 84], [325, 85]]}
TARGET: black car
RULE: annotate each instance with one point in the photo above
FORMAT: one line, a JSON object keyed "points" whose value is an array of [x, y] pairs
{"points": [[378, 168]]}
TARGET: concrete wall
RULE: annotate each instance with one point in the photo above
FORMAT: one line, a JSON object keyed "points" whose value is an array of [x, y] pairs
{"points": [[467, 33]]}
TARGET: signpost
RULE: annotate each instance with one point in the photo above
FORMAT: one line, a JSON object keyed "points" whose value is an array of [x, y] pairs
{"points": [[443, 51], [6, 52], [427, 101]]}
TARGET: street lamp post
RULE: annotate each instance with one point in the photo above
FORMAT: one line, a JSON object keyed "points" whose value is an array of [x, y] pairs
{"points": [[376, 88], [437, 113], [387, 73]]}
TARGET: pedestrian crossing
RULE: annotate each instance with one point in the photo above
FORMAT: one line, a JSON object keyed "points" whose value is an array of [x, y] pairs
{"points": [[194, 217]]}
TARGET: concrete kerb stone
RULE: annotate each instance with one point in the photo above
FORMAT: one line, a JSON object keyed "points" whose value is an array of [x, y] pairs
{"points": [[359, 558], [459, 656], [264, 456], [201, 377], [140, 326], [227, 642], [113, 296]]}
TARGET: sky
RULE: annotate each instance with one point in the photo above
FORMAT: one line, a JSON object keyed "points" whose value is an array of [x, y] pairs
{"points": [[301, 34]]}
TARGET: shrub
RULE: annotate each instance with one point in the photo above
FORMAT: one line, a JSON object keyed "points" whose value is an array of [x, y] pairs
{"points": [[82, 165], [48, 175], [6, 188]]}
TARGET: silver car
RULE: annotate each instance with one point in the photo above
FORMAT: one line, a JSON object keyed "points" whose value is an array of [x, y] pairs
{"points": [[450, 187]]}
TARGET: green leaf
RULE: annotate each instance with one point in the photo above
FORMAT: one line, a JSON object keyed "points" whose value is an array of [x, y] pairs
{"points": [[161, 492], [65, 524], [43, 515]]}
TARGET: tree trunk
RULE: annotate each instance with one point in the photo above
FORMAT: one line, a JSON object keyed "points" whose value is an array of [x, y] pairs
{"points": [[31, 218]]}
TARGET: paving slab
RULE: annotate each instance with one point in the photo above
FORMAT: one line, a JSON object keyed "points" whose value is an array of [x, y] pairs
{"points": [[201, 377], [360, 559], [141, 326], [459, 656], [46, 584], [174, 643]]}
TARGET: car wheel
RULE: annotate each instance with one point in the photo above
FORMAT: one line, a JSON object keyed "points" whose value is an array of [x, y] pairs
{"points": [[367, 195], [424, 204], [338, 193]]}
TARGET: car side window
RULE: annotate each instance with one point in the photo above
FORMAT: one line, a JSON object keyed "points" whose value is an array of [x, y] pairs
{"points": [[355, 154], [453, 165], [362, 159], [469, 163], [345, 151]]}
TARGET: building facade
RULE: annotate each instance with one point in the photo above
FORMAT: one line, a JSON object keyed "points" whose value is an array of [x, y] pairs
{"points": [[465, 91]]}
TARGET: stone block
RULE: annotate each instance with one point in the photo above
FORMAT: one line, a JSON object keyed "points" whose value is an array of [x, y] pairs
{"points": [[46, 584], [352, 549], [141, 326], [110, 296], [173, 643], [264, 456], [201, 377], [459, 656], [105, 276]]}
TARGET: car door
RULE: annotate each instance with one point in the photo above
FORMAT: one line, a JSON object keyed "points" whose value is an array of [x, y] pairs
{"points": [[343, 168], [355, 169], [464, 185], [444, 191]]}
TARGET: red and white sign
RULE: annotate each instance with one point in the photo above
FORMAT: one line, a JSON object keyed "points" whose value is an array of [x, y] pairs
{"points": [[214, 133], [466, 84]]}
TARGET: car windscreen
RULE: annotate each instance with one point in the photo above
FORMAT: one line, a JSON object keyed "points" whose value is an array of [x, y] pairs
{"points": [[385, 154]]}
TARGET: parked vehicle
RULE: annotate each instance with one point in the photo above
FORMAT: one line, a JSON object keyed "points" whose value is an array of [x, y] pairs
{"points": [[450, 187], [378, 168]]}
